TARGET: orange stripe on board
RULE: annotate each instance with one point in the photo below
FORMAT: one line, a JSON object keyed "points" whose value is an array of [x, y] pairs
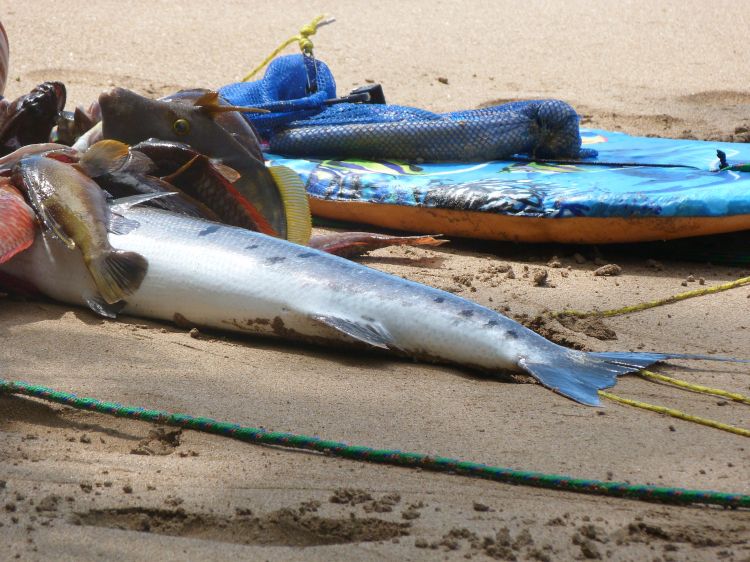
{"points": [[487, 226]]}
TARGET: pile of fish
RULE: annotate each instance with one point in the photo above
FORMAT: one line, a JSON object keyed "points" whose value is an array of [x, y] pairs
{"points": [[165, 209]]}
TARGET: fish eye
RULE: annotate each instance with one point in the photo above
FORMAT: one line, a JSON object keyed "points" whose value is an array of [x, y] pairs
{"points": [[181, 127]]}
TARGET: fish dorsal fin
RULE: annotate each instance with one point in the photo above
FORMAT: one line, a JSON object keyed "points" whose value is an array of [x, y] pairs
{"points": [[370, 332], [209, 102], [81, 120], [296, 205], [122, 204], [208, 99], [104, 157]]}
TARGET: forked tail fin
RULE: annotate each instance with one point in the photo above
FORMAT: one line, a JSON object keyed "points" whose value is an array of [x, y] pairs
{"points": [[579, 375]]}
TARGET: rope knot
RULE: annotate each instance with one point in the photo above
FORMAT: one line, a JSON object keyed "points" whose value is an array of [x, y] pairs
{"points": [[305, 45], [310, 28], [302, 39]]}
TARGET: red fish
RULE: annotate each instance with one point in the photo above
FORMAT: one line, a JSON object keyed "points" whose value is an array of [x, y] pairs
{"points": [[17, 222]]}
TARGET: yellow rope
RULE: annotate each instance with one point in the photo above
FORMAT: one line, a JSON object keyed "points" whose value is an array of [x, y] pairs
{"points": [[303, 39], [677, 414], [696, 387], [660, 302]]}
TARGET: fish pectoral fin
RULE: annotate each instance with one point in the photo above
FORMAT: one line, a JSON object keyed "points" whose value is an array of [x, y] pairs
{"points": [[369, 332], [102, 308], [104, 157], [121, 225], [48, 220], [55, 228], [296, 204], [229, 173]]}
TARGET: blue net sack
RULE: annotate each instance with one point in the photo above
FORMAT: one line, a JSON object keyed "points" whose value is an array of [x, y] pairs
{"points": [[307, 120]]}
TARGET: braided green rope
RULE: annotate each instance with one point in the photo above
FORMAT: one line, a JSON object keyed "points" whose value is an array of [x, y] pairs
{"points": [[383, 456]]}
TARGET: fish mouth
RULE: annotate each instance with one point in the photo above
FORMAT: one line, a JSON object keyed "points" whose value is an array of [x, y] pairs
{"points": [[119, 102], [60, 94], [118, 107], [110, 100]]}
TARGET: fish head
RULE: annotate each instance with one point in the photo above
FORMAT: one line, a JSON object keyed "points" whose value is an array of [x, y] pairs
{"points": [[30, 118], [194, 119], [132, 118], [231, 121]]}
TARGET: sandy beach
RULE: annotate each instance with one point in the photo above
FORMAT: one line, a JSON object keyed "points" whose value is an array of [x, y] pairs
{"points": [[82, 486]]}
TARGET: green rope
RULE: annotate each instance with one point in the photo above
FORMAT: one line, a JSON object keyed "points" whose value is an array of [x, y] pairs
{"points": [[383, 456]]}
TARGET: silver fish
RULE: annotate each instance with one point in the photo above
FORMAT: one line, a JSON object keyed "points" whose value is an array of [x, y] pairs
{"points": [[211, 275]]}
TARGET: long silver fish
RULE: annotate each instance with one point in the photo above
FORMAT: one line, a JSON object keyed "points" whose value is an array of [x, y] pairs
{"points": [[227, 278]]}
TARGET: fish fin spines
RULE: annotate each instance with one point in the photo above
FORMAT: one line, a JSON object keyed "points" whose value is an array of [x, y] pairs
{"points": [[209, 102], [118, 274], [210, 98], [296, 204]]}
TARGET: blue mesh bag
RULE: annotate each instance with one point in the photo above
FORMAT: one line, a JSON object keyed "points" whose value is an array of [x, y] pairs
{"points": [[307, 120]]}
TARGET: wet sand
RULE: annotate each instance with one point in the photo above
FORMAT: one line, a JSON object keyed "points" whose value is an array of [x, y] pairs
{"points": [[78, 486]]}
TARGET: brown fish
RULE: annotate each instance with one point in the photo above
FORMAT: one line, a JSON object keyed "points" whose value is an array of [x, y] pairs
{"points": [[74, 208], [277, 192], [231, 121], [203, 180]]}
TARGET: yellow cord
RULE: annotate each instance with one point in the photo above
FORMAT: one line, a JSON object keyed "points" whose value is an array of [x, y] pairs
{"points": [[676, 414], [696, 387], [660, 302], [303, 39]]}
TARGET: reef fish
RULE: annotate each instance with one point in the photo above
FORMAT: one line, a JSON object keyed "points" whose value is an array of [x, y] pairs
{"points": [[276, 191], [17, 221], [74, 209]]}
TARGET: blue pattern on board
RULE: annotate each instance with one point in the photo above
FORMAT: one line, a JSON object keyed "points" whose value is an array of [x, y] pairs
{"points": [[551, 190]]}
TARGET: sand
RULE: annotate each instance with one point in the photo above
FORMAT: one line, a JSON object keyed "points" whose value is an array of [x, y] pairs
{"points": [[80, 486]]}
